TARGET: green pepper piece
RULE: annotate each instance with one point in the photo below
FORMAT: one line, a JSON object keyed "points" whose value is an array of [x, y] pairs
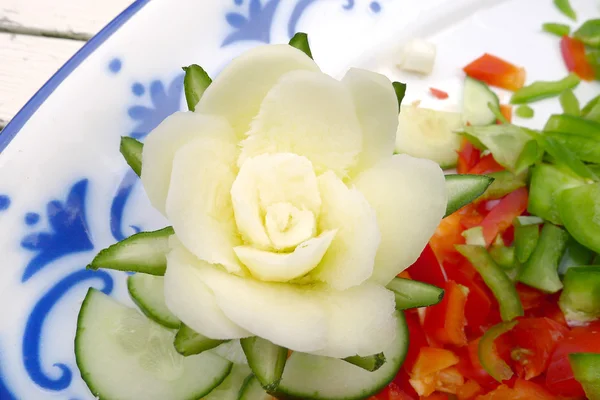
{"points": [[572, 125], [544, 89], [585, 148], [589, 33], [575, 255], [579, 209], [300, 41], [524, 220], [586, 369], [590, 105], [556, 28], [594, 114], [505, 182], [564, 6], [593, 58], [195, 82], [532, 154], [526, 239], [569, 103], [496, 279], [488, 355], [502, 255], [541, 269], [580, 298], [506, 141], [547, 181], [524, 111]]}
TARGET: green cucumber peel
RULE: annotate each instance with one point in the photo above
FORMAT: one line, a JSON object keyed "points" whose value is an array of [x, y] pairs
{"points": [[413, 294], [463, 189], [369, 363], [300, 41], [131, 149], [400, 90], [266, 360], [195, 83], [189, 342]]}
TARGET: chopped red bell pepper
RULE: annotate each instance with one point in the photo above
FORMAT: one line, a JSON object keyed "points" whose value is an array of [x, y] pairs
{"points": [[486, 165], [445, 322], [530, 297], [496, 72], [417, 340], [393, 392], [428, 269], [432, 360], [573, 53], [521, 390], [469, 390], [468, 156], [448, 234], [502, 216], [506, 111], [438, 94]]}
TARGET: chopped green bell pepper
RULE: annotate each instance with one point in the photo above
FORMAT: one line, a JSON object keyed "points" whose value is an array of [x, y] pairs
{"points": [[502, 255], [556, 28], [594, 114], [586, 369], [496, 279], [585, 148], [532, 154], [589, 33], [580, 298], [505, 182], [488, 356], [541, 269], [506, 141], [544, 89], [573, 125], [569, 103], [526, 239], [564, 6], [575, 255], [579, 208], [590, 105]]}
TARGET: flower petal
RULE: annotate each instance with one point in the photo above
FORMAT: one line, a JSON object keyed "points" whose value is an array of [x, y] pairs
{"points": [[163, 142], [351, 256], [309, 114], [240, 88], [269, 179], [283, 267], [409, 197], [377, 111], [192, 301], [199, 204]]}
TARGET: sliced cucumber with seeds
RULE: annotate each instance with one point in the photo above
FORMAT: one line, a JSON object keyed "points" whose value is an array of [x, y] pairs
{"points": [[147, 291], [124, 355], [463, 189], [232, 385], [476, 110], [413, 294], [311, 377], [189, 342], [252, 390], [267, 360], [144, 252]]}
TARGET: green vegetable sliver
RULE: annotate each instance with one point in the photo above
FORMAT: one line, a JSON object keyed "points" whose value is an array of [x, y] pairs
{"points": [[524, 111], [544, 89], [564, 6], [590, 105], [569, 103], [556, 28], [300, 41], [195, 82], [489, 358], [585, 369], [589, 33]]}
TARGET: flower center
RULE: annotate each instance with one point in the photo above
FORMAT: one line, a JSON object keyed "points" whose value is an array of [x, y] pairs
{"points": [[288, 226]]}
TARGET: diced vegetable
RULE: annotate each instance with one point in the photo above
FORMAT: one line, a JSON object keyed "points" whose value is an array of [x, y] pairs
{"points": [[474, 236], [195, 82], [579, 208], [574, 56], [438, 94], [580, 298], [594, 114], [585, 148], [131, 150], [502, 215], [525, 220], [432, 360], [525, 111], [496, 72], [300, 41], [589, 33], [488, 356], [428, 269], [252, 390], [143, 252], [430, 134], [526, 238], [569, 103], [575, 255], [445, 322], [189, 342], [564, 6], [486, 166], [495, 278], [230, 388], [506, 142], [468, 156], [590, 105], [541, 269], [463, 189], [476, 96], [547, 182], [506, 112], [593, 59], [417, 55], [267, 361], [503, 255], [505, 182], [412, 294], [368, 363], [532, 154], [572, 125], [544, 89], [586, 369], [556, 28], [147, 292]]}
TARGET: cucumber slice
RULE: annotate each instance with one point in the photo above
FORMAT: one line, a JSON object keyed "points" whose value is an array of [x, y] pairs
{"points": [[144, 252], [232, 385], [266, 360], [430, 134], [131, 150], [463, 189], [252, 390], [232, 350], [413, 294], [477, 95], [123, 355], [313, 377], [148, 292], [189, 342]]}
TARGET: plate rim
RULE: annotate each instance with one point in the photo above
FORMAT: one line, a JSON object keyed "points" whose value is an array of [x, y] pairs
{"points": [[15, 125]]}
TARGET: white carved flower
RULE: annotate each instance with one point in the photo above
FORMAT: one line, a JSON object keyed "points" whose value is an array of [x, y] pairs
{"points": [[290, 211]]}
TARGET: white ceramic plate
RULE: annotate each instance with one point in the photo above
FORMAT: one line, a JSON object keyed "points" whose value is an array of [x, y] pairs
{"points": [[66, 193]]}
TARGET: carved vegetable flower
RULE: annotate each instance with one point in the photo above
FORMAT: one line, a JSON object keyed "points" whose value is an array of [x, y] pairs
{"points": [[290, 211]]}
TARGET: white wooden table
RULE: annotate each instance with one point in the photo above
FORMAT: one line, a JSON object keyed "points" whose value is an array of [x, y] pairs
{"points": [[37, 37]]}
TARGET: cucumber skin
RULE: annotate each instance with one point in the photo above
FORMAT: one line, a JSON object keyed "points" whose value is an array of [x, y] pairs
{"points": [[429, 294], [252, 347], [249, 389], [148, 312], [184, 335], [131, 149], [460, 197]]}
